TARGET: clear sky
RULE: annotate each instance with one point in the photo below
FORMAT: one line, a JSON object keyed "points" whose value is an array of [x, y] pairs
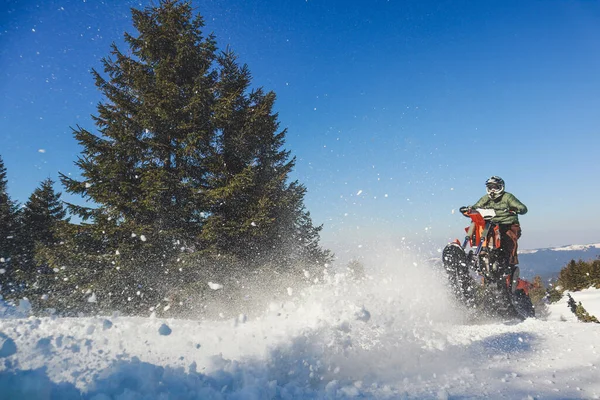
{"points": [[397, 111]]}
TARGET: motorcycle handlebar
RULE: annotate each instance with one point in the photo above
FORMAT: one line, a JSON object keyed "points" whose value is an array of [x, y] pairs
{"points": [[465, 210]]}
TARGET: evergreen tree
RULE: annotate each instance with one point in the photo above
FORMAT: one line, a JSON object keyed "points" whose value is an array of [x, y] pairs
{"points": [[571, 303], [9, 217], [40, 217], [584, 316], [186, 158], [537, 291], [580, 312], [577, 275], [145, 168], [537, 294], [554, 294], [594, 273], [42, 211], [254, 212]]}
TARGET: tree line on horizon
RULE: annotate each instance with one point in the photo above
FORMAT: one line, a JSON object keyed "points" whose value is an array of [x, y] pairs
{"points": [[576, 276], [188, 179]]}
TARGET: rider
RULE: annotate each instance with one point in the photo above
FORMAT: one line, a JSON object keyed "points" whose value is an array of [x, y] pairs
{"points": [[507, 208]]}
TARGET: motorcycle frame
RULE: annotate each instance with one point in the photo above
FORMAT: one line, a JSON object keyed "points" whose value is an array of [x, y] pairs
{"points": [[479, 237]]}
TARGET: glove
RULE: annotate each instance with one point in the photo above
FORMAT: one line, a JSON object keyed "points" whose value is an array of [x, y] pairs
{"points": [[465, 209], [511, 211]]}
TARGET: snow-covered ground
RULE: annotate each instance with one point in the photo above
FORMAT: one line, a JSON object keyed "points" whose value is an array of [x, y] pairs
{"points": [[393, 335]]}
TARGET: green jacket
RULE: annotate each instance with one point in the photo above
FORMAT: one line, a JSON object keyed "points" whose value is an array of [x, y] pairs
{"points": [[503, 205]]}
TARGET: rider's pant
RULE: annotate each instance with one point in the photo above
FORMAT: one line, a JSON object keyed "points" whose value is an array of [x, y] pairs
{"points": [[509, 234]]}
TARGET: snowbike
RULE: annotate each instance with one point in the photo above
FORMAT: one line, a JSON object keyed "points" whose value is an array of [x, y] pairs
{"points": [[482, 279]]}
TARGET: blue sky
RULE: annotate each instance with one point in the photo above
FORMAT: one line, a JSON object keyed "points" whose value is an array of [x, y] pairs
{"points": [[397, 111]]}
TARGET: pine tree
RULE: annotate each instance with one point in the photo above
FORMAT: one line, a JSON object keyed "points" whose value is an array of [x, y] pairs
{"points": [[42, 211], [579, 311], [554, 294], [145, 168], [6, 215], [186, 158], [9, 217], [571, 303], [537, 294], [595, 273], [577, 275], [41, 216], [254, 212], [537, 291]]}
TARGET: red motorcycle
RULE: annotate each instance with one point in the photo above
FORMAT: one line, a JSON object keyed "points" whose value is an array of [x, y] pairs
{"points": [[482, 278]]}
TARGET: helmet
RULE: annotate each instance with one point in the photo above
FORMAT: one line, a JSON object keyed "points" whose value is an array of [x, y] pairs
{"points": [[494, 187]]}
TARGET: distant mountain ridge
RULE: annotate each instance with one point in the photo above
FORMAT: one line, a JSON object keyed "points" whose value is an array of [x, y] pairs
{"points": [[547, 262], [571, 247]]}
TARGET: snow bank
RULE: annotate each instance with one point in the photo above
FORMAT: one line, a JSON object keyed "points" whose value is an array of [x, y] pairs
{"points": [[589, 299]]}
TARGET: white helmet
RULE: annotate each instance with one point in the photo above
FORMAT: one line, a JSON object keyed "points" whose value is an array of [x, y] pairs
{"points": [[494, 187]]}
